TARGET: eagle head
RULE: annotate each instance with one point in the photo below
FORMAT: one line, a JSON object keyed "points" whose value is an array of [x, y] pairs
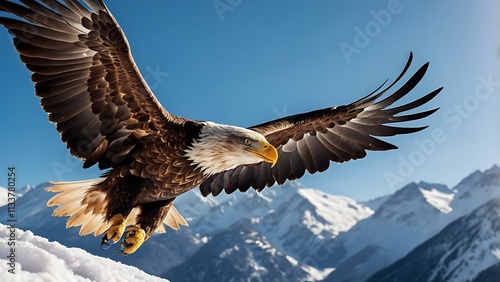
{"points": [[223, 147]]}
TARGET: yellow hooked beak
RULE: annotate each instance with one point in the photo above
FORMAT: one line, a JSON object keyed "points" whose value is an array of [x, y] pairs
{"points": [[265, 151]]}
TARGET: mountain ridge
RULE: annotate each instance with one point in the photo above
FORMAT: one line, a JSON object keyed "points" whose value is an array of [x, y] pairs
{"points": [[408, 218], [453, 254], [304, 232]]}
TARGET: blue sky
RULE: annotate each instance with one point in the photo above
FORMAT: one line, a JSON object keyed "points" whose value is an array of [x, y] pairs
{"points": [[246, 62]]}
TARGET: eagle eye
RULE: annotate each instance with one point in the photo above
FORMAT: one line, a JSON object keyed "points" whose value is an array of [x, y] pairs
{"points": [[247, 141]]}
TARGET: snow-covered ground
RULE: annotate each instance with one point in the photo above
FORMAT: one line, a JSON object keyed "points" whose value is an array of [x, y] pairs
{"points": [[37, 259]]}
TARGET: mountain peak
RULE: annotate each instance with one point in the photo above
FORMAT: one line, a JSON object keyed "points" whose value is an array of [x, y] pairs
{"points": [[419, 194], [410, 191], [434, 186], [477, 188], [340, 211], [490, 177]]}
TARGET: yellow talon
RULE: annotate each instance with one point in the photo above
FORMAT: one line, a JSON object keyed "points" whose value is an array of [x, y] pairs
{"points": [[134, 237], [115, 232]]}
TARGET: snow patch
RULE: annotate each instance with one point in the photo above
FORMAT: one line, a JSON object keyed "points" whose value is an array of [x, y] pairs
{"points": [[438, 199], [496, 253], [37, 259], [341, 212], [293, 261], [317, 274]]}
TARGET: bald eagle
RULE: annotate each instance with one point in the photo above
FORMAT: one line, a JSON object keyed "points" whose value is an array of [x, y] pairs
{"points": [[106, 114]]}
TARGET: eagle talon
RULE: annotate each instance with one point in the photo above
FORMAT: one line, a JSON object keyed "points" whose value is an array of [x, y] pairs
{"points": [[134, 237], [114, 233], [104, 244]]}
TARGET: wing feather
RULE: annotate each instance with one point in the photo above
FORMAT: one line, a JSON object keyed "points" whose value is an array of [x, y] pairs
{"points": [[282, 173], [245, 176], [316, 150], [310, 141], [328, 141], [85, 76]]}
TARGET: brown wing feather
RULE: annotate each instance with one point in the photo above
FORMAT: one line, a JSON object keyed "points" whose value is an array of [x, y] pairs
{"points": [[310, 141], [86, 77]]}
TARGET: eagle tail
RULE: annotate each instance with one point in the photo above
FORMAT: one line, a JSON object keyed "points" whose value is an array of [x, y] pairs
{"points": [[173, 220], [84, 206]]}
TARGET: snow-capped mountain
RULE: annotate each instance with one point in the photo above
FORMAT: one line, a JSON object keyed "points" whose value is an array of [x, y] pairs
{"points": [[400, 223], [476, 189], [409, 217], [278, 212], [238, 253], [459, 252], [37, 259], [295, 233], [280, 232], [314, 219]]}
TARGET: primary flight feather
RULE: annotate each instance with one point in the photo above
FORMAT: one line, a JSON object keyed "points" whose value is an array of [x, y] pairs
{"points": [[107, 115]]}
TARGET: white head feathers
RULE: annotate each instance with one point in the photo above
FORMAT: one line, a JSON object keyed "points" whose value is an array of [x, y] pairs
{"points": [[224, 147]]}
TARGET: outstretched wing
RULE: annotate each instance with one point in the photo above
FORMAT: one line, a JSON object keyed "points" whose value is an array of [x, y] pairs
{"points": [[85, 76], [309, 141]]}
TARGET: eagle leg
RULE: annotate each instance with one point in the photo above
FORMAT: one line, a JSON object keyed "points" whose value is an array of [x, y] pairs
{"points": [[134, 237], [115, 232]]}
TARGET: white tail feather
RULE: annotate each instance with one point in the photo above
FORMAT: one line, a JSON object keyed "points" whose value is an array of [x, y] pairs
{"points": [[84, 208], [88, 208], [160, 229], [173, 219]]}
